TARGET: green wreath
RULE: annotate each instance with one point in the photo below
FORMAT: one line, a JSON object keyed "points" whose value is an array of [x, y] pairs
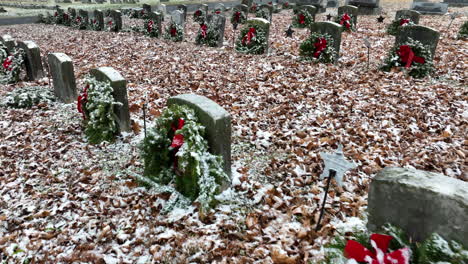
{"points": [[199, 16], [253, 41], [94, 25], [175, 151], [412, 56], [96, 104], [12, 64], [302, 19], [79, 23], [463, 32], [318, 48], [150, 29], [347, 21], [208, 35], [396, 25], [174, 32], [238, 17]]}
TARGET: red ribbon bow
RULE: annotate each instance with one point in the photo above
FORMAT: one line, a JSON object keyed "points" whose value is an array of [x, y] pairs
{"points": [[218, 12], [358, 252], [248, 37], [177, 140], [198, 13], [404, 21], [7, 64], [173, 31], [237, 17], [320, 45], [407, 56], [203, 28], [345, 20], [301, 18], [109, 23], [150, 26], [82, 100]]}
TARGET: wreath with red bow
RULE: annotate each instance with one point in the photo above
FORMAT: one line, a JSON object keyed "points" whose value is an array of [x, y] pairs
{"points": [[318, 48], [412, 56], [302, 19], [252, 38], [347, 21], [286, 5], [395, 26], [175, 152], [174, 32], [151, 28], [79, 23], [12, 64], [208, 34], [199, 16], [238, 17]]}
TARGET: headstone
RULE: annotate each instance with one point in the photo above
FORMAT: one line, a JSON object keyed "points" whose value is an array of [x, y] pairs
{"points": [[119, 85], [99, 16], [72, 12], [183, 8], [411, 14], [147, 8], [117, 17], [248, 3], [32, 60], [309, 8], [269, 10], [219, 21], [420, 203], [430, 8], [84, 15], [456, 3], [163, 10], [217, 123], [204, 7], [9, 42], [321, 5], [63, 76], [366, 7], [331, 28], [427, 36], [262, 22], [350, 10], [332, 3], [220, 7], [177, 17], [157, 20]]}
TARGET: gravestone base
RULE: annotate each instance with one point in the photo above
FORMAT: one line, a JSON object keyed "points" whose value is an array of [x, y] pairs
{"points": [[369, 11]]}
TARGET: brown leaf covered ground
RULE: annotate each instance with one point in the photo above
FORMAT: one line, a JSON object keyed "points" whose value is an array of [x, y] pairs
{"points": [[63, 200]]}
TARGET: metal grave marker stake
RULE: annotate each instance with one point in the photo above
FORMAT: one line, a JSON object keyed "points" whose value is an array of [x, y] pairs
{"points": [[452, 17], [335, 166], [368, 46]]}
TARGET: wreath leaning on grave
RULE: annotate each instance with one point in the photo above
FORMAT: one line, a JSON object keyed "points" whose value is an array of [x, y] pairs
{"points": [[412, 56], [396, 25], [208, 35], [94, 25], [150, 28], [463, 33], [318, 48], [110, 24], [199, 16], [252, 38], [79, 23], [176, 152], [238, 17], [96, 104], [302, 19], [253, 8], [346, 21], [174, 32], [12, 64]]}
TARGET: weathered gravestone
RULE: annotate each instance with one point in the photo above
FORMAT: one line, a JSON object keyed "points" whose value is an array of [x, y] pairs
{"points": [[9, 42], [331, 28], [63, 76], [427, 8], [350, 10], [84, 16], [366, 7], [309, 8], [117, 18], [420, 203], [217, 123], [156, 17], [411, 14], [204, 7], [119, 85], [219, 8], [332, 3], [183, 8], [32, 60], [427, 36], [269, 11], [321, 5], [147, 8], [251, 22], [248, 3], [99, 17], [241, 8], [72, 12], [177, 17], [219, 22], [162, 9], [456, 3]]}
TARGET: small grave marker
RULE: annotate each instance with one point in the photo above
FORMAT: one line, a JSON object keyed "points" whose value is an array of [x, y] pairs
{"points": [[61, 69], [9, 42], [429, 8], [32, 60], [331, 28]]}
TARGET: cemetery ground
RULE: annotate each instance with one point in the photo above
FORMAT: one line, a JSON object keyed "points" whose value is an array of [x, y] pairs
{"points": [[64, 200]]}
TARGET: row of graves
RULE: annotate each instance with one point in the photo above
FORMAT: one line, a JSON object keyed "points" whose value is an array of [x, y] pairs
{"points": [[413, 51], [189, 149]]}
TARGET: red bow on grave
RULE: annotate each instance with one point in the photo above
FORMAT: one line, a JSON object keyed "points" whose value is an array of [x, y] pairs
{"points": [[109, 23], [82, 100], [198, 13], [320, 46], [404, 21], [345, 20], [78, 19], [150, 26], [286, 4], [248, 37], [94, 21], [218, 12], [173, 31], [7, 64], [178, 139], [65, 16], [237, 16], [358, 252], [203, 28], [301, 19], [407, 56]]}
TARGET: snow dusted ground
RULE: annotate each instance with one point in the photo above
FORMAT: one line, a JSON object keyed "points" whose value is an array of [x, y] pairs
{"points": [[63, 200]]}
